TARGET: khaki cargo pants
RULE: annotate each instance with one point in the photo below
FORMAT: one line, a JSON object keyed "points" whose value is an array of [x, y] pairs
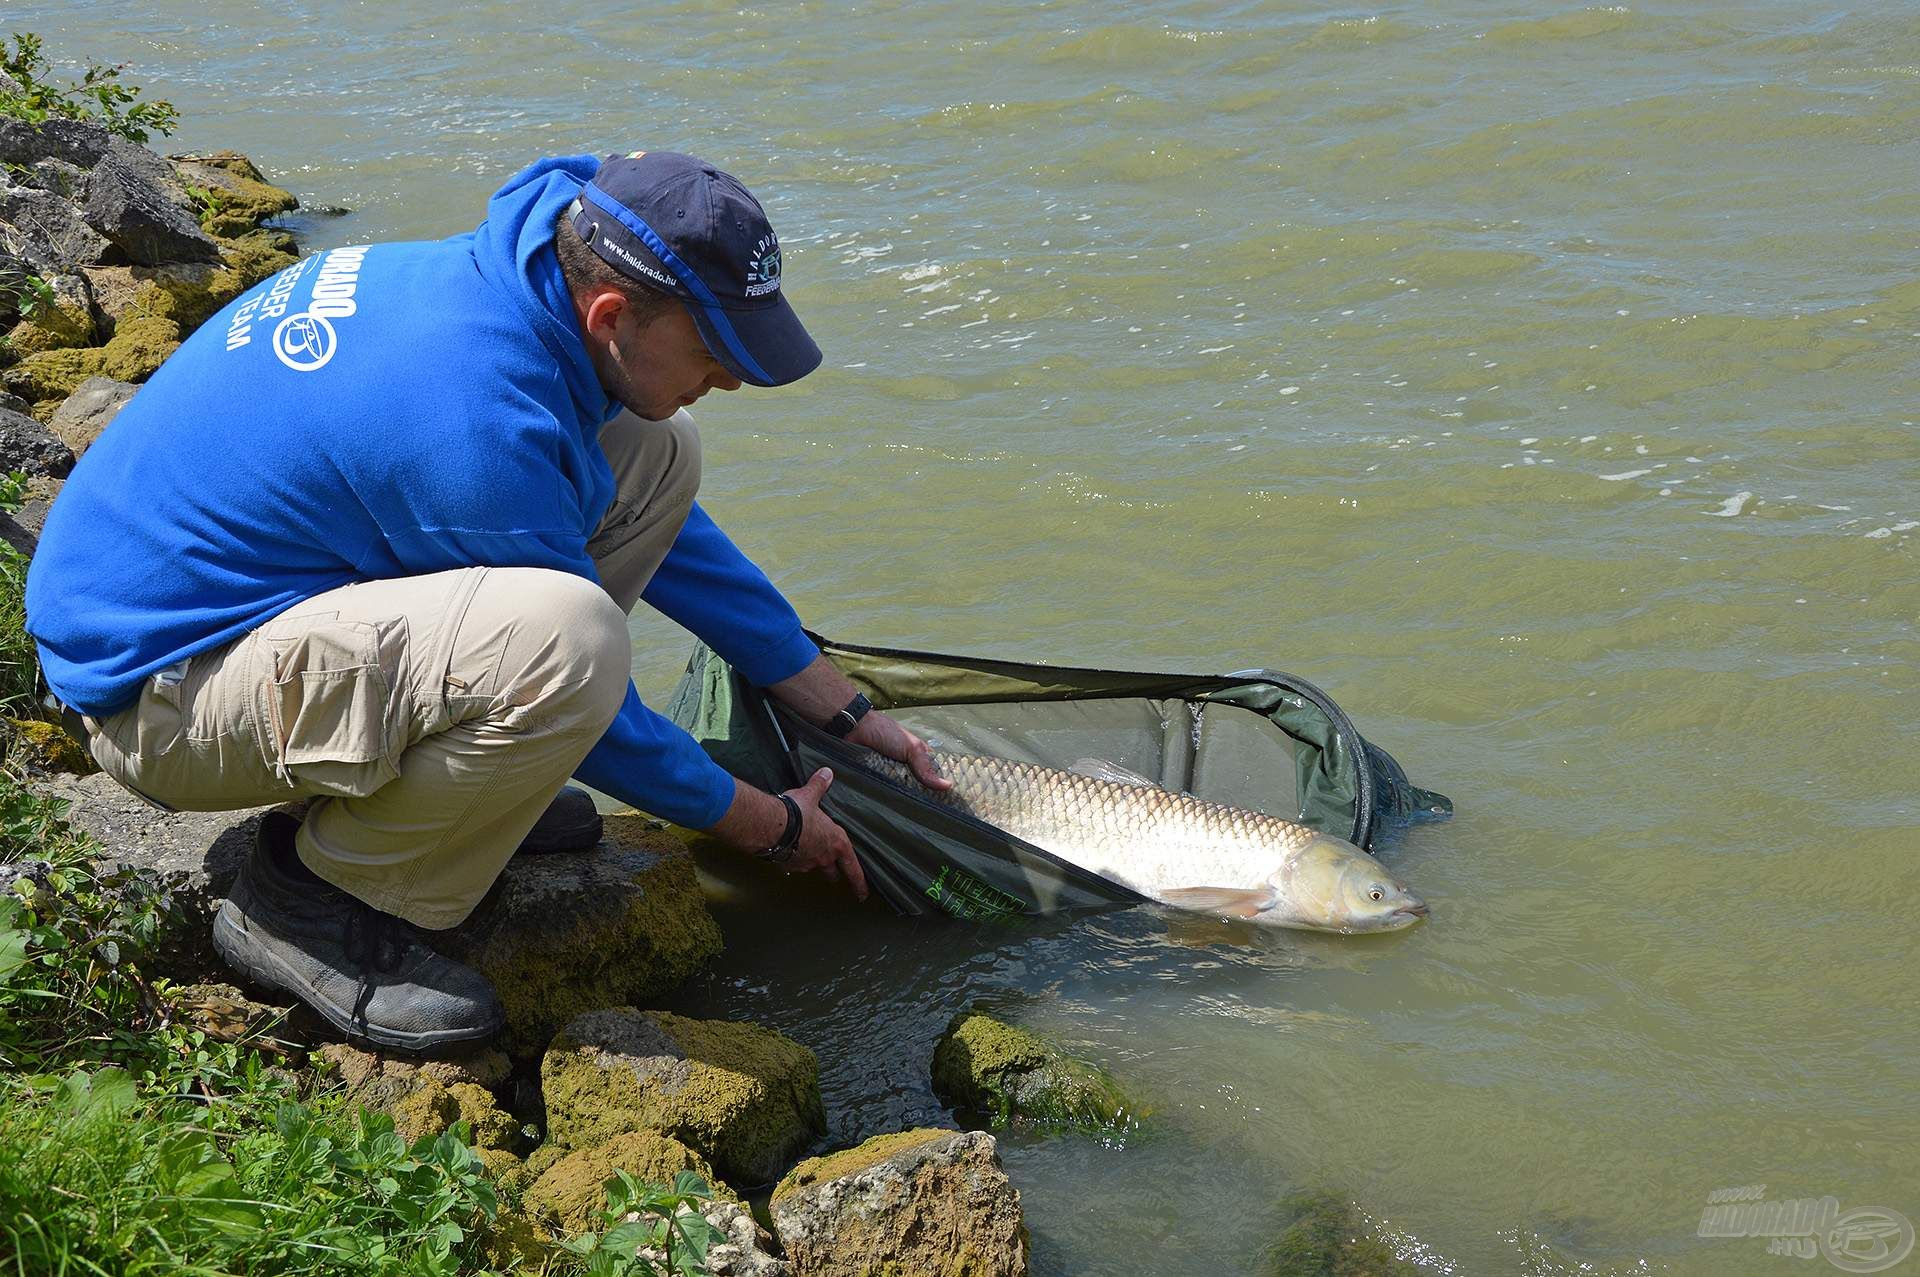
{"points": [[430, 718]]}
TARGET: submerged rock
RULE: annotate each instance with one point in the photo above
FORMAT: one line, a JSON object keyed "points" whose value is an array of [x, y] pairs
{"points": [[927, 1202], [1006, 1074], [745, 1097], [1327, 1238], [571, 1194], [566, 933]]}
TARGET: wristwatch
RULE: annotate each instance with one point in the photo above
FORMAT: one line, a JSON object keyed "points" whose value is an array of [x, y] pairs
{"points": [[843, 722], [781, 852]]}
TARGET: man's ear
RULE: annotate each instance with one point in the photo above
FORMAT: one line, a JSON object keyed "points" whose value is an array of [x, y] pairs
{"points": [[601, 313]]}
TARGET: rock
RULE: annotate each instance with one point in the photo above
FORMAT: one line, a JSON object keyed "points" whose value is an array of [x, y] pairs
{"points": [[52, 374], [376, 1079], [201, 851], [225, 1014], [138, 348], [742, 1250], [66, 320], [1004, 1074], [21, 529], [542, 1160], [923, 1202], [188, 293], [512, 1242], [140, 216], [42, 748], [242, 198], [571, 1194], [558, 935], [26, 445], [745, 1097], [502, 1166], [563, 934], [86, 412], [45, 233], [1326, 1235]]}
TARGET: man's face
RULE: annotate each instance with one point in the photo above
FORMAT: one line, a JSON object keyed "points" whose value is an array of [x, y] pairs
{"points": [[663, 366]]}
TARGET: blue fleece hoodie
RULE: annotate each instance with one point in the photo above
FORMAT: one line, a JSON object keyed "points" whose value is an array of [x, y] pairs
{"points": [[371, 413]]}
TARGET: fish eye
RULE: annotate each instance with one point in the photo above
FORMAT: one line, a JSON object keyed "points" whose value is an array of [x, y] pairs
{"points": [[1375, 894]]}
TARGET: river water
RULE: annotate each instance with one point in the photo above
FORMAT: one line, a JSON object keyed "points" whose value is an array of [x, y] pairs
{"points": [[1537, 379]]}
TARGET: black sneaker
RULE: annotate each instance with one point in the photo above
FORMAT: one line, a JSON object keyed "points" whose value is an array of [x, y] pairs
{"points": [[369, 973], [570, 823]]}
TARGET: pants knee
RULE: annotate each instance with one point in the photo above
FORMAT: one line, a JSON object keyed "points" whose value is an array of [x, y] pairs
{"points": [[575, 645]]}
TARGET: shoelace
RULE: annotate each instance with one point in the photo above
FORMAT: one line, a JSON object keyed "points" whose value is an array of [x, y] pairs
{"points": [[376, 940]]}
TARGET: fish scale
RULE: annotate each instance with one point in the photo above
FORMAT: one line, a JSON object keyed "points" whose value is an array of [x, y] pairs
{"points": [[1163, 844]]}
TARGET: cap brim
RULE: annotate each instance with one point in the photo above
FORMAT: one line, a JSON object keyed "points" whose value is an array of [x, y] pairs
{"points": [[766, 346]]}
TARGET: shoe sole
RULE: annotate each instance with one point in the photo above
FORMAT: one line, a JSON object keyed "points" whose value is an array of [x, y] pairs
{"points": [[266, 968]]}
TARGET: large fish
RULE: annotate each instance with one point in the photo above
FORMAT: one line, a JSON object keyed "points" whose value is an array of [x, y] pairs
{"points": [[1175, 848]]}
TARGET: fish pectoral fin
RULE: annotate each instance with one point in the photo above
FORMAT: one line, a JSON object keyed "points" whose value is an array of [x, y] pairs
{"points": [[1232, 902], [1101, 769]]}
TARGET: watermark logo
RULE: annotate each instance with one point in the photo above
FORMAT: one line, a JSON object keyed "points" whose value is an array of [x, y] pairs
{"points": [[304, 341], [1866, 1239]]}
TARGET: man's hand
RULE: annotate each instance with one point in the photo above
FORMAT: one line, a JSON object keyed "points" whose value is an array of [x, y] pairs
{"points": [[883, 735], [818, 692], [756, 820], [823, 844]]}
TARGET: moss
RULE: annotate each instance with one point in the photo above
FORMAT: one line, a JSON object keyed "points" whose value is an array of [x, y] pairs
{"points": [[746, 1097], [241, 197], [512, 1240], [1328, 1239], [53, 328], [501, 1165], [52, 374], [851, 1161], [427, 1110], [1007, 1074], [45, 747], [475, 1106], [620, 947], [572, 1193], [542, 1160], [139, 347], [253, 257]]}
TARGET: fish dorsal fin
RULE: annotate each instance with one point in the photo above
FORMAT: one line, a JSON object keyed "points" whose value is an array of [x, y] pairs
{"points": [[1231, 902], [1101, 769]]}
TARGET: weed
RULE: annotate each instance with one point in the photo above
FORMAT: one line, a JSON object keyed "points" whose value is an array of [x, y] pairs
{"points": [[27, 93]]}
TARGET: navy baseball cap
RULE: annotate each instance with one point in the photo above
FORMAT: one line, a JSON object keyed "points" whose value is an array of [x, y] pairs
{"points": [[688, 229]]}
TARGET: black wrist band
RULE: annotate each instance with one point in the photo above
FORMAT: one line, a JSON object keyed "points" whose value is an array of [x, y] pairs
{"points": [[844, 721], [782, 851]]}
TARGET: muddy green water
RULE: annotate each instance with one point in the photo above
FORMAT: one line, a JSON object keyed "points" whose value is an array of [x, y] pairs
{"points": [[1537, 379]]}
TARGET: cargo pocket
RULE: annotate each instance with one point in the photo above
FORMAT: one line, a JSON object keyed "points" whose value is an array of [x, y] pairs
{"points": [[329, 709]]}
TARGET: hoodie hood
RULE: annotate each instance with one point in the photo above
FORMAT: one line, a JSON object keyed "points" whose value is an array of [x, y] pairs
{"points": [[513, 250]]}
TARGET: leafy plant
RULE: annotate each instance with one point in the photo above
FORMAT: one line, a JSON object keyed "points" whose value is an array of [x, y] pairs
{"points": [[27, 93], [206, 203], [29, 294], [653, 1229]]}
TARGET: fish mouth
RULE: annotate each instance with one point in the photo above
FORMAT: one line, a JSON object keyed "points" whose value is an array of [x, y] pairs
{"points": [[1407, 914]]}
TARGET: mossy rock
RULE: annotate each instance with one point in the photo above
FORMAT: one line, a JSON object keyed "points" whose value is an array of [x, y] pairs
{"points": [[512, 1241], [745, 1097], [53, 328], [562, 935], [1327, 1238], [241, 197], [924, 1203], [851, 1161], [35, 745], [138, 348], [490, 1127], [502, 1166], [1006, 1074], [571, 1194], [53, 374]]}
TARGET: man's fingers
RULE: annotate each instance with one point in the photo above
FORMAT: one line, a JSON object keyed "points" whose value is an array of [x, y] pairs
{"points": [[856, 876], [920, 758], [816, 786]]}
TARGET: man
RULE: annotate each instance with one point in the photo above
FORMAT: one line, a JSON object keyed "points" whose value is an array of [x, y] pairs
{"points": [[370, 538]]}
